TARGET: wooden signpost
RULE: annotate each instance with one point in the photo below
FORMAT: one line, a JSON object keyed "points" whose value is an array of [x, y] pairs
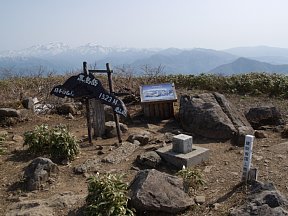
{"points": [[99, 116], [87, 87], [157, 100]]}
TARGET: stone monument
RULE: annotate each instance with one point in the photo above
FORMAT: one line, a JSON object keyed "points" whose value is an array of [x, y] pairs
{"points": [[182, 152]]}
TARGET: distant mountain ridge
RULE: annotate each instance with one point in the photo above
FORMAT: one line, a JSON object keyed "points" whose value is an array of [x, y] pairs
{"points": [[245, 65], [60, 58]]}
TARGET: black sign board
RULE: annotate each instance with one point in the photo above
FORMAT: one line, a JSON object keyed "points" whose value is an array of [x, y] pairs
{"points": [[87, 86]]}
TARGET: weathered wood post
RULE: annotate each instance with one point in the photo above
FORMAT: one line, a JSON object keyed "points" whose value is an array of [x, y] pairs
{"points": [[109, 72], [85, 71], [98, 116]]}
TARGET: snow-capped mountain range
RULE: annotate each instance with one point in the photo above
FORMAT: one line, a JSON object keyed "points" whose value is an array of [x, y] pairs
{"points": [[61, 58]]}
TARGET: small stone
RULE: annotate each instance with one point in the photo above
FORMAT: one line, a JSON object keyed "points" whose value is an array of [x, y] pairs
{"points": [[200, 199], [99, 147], [65, 162], [207, 169], [135, 168], [260, 134], [86, 175], [216, 206], [281, 156], [257, 157], [253, 208], [70, 116], [136, 142], [100, 152], [3, 133], [17, 138], [234, 173]]}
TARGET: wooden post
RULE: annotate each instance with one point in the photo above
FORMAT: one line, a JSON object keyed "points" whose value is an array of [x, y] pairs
{"points": [[248, 146], [98, 116], [85, 71], [253, 174], [111, 92]]}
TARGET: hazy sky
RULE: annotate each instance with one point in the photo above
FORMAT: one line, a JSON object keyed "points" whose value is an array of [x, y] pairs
{"points": [[215, 24]]}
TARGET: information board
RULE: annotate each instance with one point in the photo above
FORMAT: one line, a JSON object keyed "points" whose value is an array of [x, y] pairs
{"points": [[158, 92]]}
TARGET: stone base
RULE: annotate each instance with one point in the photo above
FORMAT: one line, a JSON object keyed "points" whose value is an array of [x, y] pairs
{"points": [[196, 156]]}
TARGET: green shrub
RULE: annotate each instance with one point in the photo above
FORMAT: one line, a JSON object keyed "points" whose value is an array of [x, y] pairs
{"points": [[271, 84], [107, 196], [192, 178], [57, 142]]}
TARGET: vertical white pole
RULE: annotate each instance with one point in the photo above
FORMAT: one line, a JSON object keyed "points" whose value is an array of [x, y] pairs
{"points": [[247, 156]]}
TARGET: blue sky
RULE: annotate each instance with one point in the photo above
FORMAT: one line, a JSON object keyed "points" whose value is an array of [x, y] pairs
{"points": [[215, 24]]}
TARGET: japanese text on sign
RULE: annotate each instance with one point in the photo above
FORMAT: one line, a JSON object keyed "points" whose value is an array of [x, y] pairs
{"points": [[247, 156]]}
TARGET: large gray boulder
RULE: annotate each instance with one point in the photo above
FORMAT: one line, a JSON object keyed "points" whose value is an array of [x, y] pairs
{"points": [[152, 190], [40, 172], [211, 115], [262, 116], [263, 200]]}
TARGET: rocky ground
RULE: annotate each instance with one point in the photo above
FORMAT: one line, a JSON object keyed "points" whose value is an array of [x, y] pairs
{"points": [[222, 172]]}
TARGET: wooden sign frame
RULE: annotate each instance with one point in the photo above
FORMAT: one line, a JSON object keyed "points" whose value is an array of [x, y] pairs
{"points": [[157, 100]]}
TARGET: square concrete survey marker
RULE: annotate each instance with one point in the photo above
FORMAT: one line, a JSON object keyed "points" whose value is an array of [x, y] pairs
{"points": [[196, 156], [182, 143]]}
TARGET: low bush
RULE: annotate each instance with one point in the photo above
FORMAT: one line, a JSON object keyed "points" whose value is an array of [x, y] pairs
{"points": [[192, 178], [107, 196], [57, 142]]}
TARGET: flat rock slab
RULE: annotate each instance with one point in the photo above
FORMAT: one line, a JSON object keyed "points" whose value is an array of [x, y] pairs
{"points": [[196, 156], [121, 153], [90, 165], [45, 207]]}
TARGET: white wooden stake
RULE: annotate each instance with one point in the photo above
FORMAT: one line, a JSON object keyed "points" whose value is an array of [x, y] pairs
{"points": [[247, 156]]}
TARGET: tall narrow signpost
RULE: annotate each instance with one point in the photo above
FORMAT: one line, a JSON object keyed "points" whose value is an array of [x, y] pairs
{"points": [[109, 72], [89, 126], [110, 83], [248, 146]]}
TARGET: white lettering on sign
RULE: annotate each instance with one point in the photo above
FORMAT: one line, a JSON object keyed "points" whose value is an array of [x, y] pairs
{"points": [[64, 92], [87, 80], [247, 156], [120, 111], [108, 98]]}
